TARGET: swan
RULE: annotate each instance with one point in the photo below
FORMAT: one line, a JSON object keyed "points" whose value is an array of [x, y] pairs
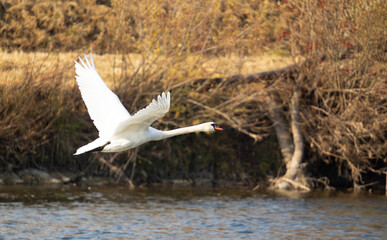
{"points": [[118, 130]]}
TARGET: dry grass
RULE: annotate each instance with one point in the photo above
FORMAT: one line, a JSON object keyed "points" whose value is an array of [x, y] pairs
{"points": [[158, 27], [14, 64]]}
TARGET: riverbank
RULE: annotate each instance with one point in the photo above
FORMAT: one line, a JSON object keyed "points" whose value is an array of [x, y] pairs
{"points": [[35, 177], [43, 179]]}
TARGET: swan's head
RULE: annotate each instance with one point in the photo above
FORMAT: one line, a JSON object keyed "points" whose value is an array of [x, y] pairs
{"points": [[211, 127]]}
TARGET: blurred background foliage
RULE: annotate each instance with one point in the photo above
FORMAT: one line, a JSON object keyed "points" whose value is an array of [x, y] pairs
{"points": [[133, 26]]}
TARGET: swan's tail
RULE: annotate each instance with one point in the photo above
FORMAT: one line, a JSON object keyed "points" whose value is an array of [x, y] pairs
{"points": [[96, 145]]}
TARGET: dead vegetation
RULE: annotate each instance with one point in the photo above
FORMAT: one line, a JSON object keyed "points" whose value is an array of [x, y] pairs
{"points": [[343, 97], [327, 110]]}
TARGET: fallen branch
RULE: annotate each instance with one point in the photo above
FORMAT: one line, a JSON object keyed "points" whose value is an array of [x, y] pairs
{"points": [[294, 184]]}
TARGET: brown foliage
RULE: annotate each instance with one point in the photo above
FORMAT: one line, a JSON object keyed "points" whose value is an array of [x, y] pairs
{"points": [[37, 118], [344, 97], [342, 103], [133, 26]]}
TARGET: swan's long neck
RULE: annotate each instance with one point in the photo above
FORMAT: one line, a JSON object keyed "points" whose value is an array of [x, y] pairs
{"points": [[181, 131]]}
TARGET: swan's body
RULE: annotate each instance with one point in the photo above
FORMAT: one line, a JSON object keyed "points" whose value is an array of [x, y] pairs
{"points": [[118, 130]]}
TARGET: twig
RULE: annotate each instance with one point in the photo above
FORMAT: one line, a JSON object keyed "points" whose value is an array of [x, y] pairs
{"points": [[214, 110], [234, 124]]}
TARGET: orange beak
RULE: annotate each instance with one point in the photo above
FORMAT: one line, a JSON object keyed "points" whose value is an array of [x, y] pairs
{"points": [[218, 128]]}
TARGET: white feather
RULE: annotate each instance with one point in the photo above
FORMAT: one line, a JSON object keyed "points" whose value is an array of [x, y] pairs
{"points": [[146, 116], [104, 107]]}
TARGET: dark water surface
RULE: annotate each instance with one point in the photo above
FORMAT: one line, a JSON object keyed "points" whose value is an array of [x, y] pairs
{"points": [[116, 213]]}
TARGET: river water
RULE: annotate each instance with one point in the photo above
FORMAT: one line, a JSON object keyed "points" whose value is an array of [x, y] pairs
{"points": [[66, 212]]}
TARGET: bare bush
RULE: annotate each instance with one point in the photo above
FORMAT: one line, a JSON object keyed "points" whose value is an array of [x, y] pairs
{"points": [[343, 101]]}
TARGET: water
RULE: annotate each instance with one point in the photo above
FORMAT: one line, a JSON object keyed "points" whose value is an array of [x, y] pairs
{"points": [[116, 213]]}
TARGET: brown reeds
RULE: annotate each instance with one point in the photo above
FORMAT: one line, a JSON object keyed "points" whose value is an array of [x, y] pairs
{"points": [[38, 120]]}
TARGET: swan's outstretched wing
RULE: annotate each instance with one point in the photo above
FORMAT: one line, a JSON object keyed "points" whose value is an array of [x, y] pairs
{"points": [[146, 116], [104, 107]]}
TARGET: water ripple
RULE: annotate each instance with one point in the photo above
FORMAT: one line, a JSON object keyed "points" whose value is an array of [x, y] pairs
{"points": [[118, 214]]}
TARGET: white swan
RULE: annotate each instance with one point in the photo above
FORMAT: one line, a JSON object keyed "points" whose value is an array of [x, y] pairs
{"points": [[118, 130]]}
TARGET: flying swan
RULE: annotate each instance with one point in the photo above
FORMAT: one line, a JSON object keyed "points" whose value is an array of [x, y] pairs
{"points": [[118, 130]]}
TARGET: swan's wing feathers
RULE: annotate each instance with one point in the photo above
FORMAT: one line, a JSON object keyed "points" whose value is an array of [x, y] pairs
{"points": [[104, 107], [146, 116], [155, 110]]}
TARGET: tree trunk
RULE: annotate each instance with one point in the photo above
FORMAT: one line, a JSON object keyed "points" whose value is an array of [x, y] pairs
{"points": [[291, 143], [298, 140], [281, 128]]}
